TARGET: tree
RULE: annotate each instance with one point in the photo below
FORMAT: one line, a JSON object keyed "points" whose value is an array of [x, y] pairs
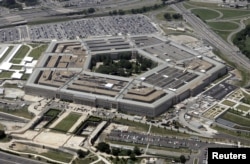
{"points": [[2, 134], [177, 16], [115, 151], [103, 147], [80, 153], [132, 157], [91, 10], [121, 12], [167, 16], [137, 151], [182, 159]]}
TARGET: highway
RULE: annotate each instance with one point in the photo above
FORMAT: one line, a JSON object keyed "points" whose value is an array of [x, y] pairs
{"points": [[13, 159], [232, 52]]}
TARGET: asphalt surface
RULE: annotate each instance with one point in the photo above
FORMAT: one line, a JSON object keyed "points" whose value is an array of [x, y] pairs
{"points": [[12, 159], [232, 52]]}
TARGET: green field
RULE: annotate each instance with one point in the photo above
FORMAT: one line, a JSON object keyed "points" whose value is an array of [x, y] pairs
{"points": [[23, 112], [52, 112], [228, 103], [16, 67], [58, 155], [5, 74], [227, 13], [205, 14], [236, 119], [21, 53], [243, 108], [137, 126], [88, 159], [1, 127], [247, 43], [67, 122], [36, 52], [25, 76], [231, 132], [162, 131], [6, 53], [223, 25], [195, 161]]}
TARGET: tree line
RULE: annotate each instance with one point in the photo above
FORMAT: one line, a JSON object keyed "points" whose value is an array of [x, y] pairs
{"points": [[241, 40]]}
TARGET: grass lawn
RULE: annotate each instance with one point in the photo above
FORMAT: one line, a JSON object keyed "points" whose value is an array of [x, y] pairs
{"points": [[25, 76], [223, 34], [137, 126], [247, 43], [167, 132], [205, 14], [6, 53], [60, 156], [223, 25], [67, 122], [33, 45], [1, 127], [20, 54], [87, 159], [36, 52], [8, 85], [160, 16], [182, 150], [230, 13], [202, 4], [231, 132], [228, 103], [6, 74], [243, 108], [236, 119], [16, 67], [23, 112], [52, 112], [195, 161]]}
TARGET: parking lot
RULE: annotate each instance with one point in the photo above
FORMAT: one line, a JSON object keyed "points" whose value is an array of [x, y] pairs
{"points": [[9, 34], [144, 139], [101, 26]]}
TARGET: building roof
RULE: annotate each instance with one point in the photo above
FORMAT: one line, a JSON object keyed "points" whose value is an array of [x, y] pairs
{"points": [[5, 66], [16, 75], [28, 59]]}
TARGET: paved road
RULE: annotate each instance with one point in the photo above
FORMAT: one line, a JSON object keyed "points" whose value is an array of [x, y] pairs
{"points": [[206, 33], [12, 159]]}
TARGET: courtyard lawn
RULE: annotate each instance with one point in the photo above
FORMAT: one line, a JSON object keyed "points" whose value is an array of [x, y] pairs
{"points": [[6, 53], [67, 122], [21, 53], [228, 103], [16, 67], [52, 112], [6, 74], [243, 108], [223, 25], [205, 14], [37, 52], [236, 119]]}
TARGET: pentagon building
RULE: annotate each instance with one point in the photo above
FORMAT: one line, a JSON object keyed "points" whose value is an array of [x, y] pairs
{"points": [[64, 72]]}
